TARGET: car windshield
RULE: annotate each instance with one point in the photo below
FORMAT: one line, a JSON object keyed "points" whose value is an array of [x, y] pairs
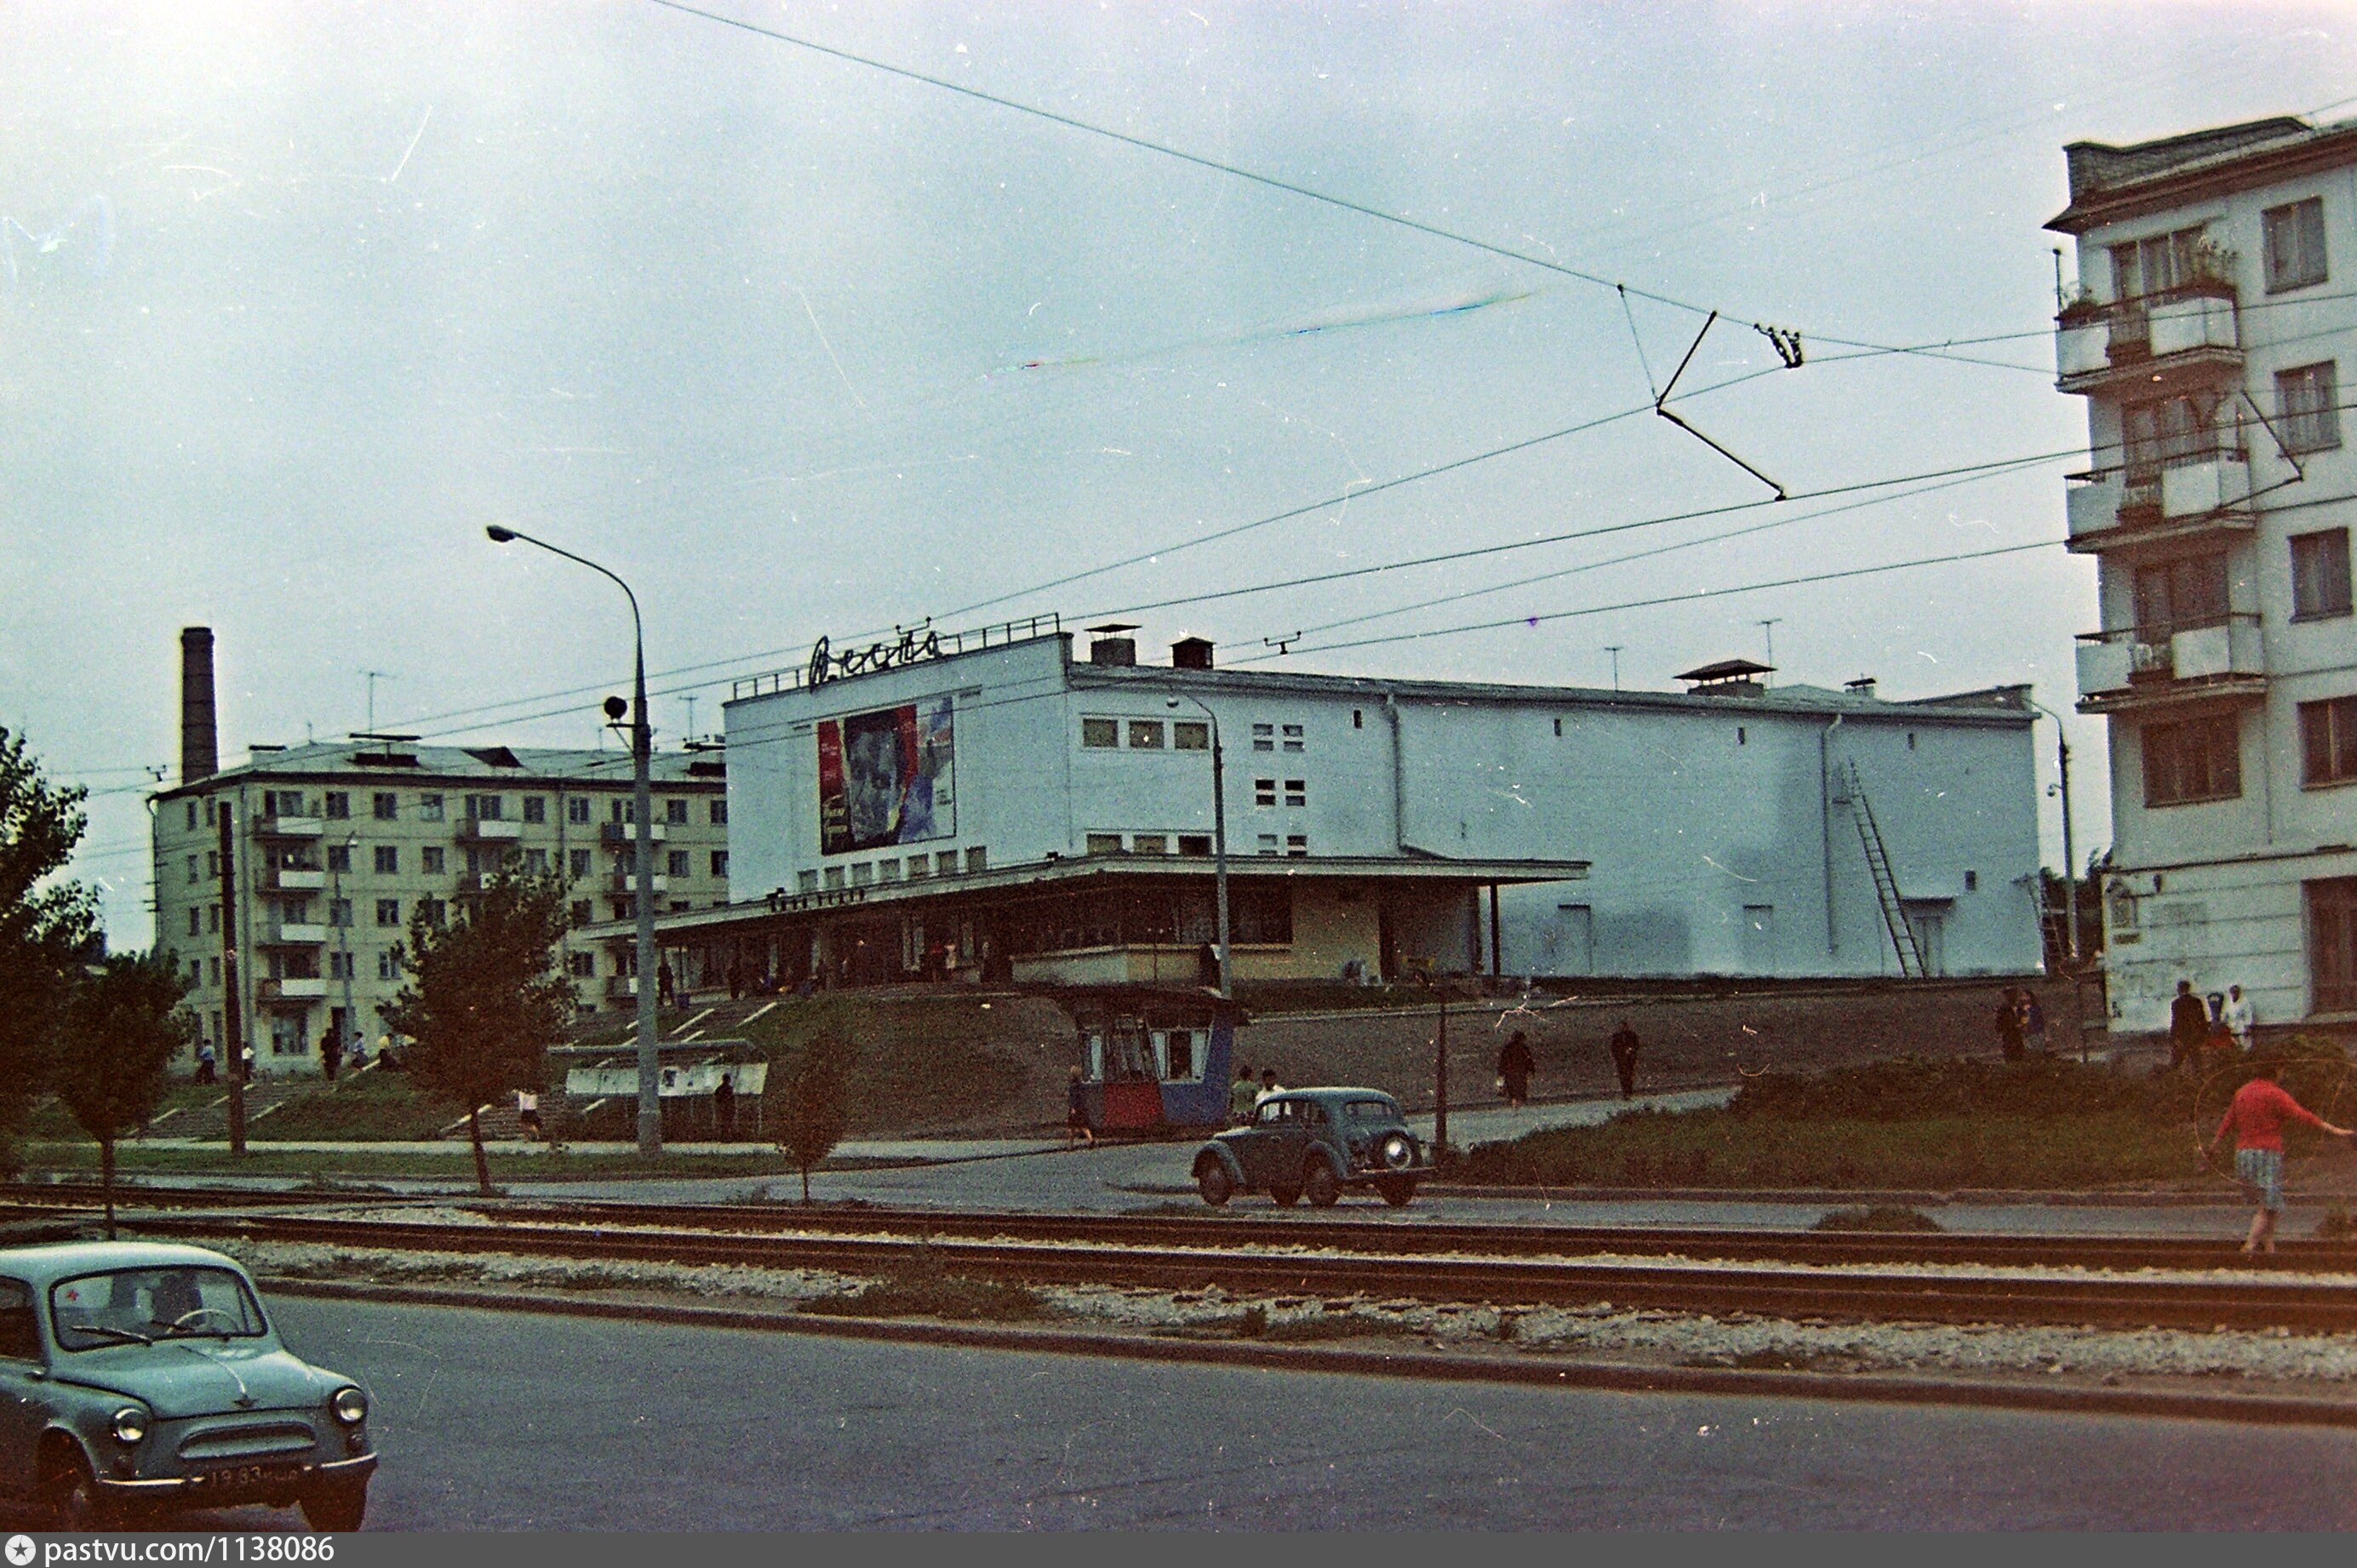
{"points": [[1369, 1112], [142, 1305]]}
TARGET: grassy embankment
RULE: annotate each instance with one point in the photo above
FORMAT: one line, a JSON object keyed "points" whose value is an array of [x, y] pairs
{"points": [[1916, 1124]]}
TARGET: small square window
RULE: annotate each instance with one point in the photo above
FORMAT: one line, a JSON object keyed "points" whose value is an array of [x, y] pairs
{"points": [[1293, 738], [977, 859], [945, 864], [921, 866], [1145, 734], [1297, 792], [863, 874], [1264, 791], [386, 805], [1191, 734], [888, 870], [1194, 843], [1100, 735], [432, 860], [1150, 843], [806, 882], [834, 878], [720, 813], [676, 863], [340, 805], [675, 813], [535, 808], [1264, 737], [388, 860], [1269, 843], [429, 808], [2293, 238], [1297, 846], [388, 911], [1103, 843], [339, 857]]}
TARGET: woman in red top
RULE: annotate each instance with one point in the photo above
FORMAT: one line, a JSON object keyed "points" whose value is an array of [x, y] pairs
{"points": [[2256, 1118]]}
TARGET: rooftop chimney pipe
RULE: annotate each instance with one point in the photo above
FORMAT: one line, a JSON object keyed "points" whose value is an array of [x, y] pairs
{"points": [[199, 728]]}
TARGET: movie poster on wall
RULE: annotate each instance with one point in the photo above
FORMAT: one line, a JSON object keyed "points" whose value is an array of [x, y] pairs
{"points": [[886, 777]]}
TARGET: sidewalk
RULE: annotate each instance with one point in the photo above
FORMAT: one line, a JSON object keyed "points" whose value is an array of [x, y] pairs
{"points": [[896, 1150]]}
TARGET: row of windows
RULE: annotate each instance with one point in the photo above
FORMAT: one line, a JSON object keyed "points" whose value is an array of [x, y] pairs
{"points": [[2292, 254], [1150, 843], [2198, 426], [2193, 590], [432, 860], [1265, 792], [336, 806], [914, 868], [2195, 759], [1184, 734]]}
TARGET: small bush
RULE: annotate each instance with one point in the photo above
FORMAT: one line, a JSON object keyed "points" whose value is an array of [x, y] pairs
{"points": [[1252, 1322], [923, 1288]]}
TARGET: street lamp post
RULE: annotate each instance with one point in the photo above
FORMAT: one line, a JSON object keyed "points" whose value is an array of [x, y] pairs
{"points": [[1219, 837], [2069, 845], [642, 760], [344, 944]]}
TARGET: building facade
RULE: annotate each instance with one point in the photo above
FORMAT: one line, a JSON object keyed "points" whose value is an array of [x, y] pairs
{"points": [[2212, 316], [991, 803]]}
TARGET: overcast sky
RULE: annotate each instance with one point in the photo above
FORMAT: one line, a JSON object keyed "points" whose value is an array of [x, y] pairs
{"points": [[299, 297]]}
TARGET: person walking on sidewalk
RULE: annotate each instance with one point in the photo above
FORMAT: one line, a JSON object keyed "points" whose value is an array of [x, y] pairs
{"points": [[1625, 1047], [2255, 1117], [1514, 1067], [1242, 1095], [1076, 1113], [2188, 1027]]}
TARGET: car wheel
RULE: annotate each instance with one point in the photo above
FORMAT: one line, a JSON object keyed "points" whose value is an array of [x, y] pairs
{"points": [[1285, 1196], [1213, 1182], [333, 1511], [74, 1501], [1397, 1191], [1322, 1185]]}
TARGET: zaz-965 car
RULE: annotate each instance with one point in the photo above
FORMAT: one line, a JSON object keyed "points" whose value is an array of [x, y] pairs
{"points": [[1317, 1142], [136, 1378]]}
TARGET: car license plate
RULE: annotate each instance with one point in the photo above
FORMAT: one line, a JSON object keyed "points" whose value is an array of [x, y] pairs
{"points": [[240, 1476]]}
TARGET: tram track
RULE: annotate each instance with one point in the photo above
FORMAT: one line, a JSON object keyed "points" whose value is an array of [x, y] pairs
{"points": [[1865, 1293]]}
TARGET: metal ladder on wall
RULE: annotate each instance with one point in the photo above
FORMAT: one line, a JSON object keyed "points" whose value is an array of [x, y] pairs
{"points": [[1886, 885]]}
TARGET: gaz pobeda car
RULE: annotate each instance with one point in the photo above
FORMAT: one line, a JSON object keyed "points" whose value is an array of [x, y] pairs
{"points": [[137, 1378], [1318, 1141]]}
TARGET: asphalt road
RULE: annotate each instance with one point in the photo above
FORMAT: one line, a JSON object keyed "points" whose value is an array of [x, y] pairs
{"points": [[497, 1421]]}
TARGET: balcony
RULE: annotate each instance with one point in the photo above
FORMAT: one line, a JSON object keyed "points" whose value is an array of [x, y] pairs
{"points": [[628, 882], [293, 988], [295, 935], [293, 879], [490, 830], [2189, 335], [2206, 496], [623, 835], [2147, 668], [289, 827]]}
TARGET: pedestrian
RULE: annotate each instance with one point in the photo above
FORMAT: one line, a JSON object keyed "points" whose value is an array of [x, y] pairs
{"points": [[1515, 1064], [245, 1063], [2009, 1024], [2220, 1041], [1207, 967], [2256, 1116], [331, 1055], [204, 1062], [724, 1106], [662, 983], [1268, 1085], [356, 1059], [2239, 1019], [735, 979], [528, 1114], [1242, 1095], [1076, 1113], [1625, 1047], [2188, 1027]]}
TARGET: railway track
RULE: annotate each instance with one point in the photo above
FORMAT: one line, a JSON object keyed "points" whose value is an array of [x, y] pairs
{"points": [[1958, 1296]]}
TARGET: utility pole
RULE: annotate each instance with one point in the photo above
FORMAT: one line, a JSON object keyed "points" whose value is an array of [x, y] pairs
{"points": [[1440, 1086], [344, 947], [233, 1012]]}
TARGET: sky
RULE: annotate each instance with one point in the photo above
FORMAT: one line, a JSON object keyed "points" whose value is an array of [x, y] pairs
{"points": [[299, 297]]}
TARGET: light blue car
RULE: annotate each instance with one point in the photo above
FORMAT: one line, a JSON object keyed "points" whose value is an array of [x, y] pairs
{"points": [[137, 1378]]}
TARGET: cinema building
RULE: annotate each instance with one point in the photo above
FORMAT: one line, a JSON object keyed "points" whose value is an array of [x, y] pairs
{"points": [[992, 806]]}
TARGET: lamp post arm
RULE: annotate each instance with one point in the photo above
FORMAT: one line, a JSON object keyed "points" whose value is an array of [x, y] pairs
{"points": [[638, 630]]}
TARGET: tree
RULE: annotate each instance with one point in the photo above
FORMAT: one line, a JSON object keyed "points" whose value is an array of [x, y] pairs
{"points": [[485, 999], [123, 1023], [818, 1094], [46, 927]]}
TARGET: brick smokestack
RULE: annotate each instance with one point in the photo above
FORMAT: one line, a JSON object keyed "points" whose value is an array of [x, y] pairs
{"points": [[199, 729]]}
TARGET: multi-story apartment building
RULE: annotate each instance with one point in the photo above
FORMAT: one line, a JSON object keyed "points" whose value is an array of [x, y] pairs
{"points": [[334, 847], [2217, 272]]}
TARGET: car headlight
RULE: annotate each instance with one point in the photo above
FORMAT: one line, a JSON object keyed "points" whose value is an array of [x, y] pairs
{"points": [[351, 1406], [130, 1426], [1399, 1151]]}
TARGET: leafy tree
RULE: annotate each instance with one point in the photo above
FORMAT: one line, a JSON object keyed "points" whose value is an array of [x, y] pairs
{"points": [[818, 1096], [485, 999], [46, 927], [122, 1024]]}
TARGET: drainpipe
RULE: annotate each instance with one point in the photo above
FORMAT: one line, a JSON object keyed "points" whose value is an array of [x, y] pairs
{"points": [[1399, 775], [1825, 825]]}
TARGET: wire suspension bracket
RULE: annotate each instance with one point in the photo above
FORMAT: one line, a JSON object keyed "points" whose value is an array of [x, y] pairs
{"points": [[1662, 401]]}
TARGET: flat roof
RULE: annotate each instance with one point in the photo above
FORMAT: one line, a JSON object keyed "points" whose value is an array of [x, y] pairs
{"points": [[380, 762], [2111, 183]]}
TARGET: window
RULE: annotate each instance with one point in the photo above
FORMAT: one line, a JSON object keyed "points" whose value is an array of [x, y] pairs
{"points": [[2332, 944], [1103, 843], [2328, 741], [1264, 791], [1269, 843], [388, 860], [2294, 239], [720, 863], [1264, 737], [1194, 843], [432, 860], [2167, 434], [581, 911], [1358, 719], [1191, 734], [581, 965], [340, 805], [1293, 738], [863, 874], [577, 861], [921, 866], [626, 909], [386, 806], [433, 911], [2154, 265], [485, 808], [1297, 846], [1150, 843], [192, 815], [388, 963], [806, 882], [977, 859], [1742, 735], [212, 974], [192, 919], [887, 870], [196, 971], [2308, 411], [429, 808], [2187, 592], [2193, 759], [535, 808], [945, 864], [282, 802], [1145, 734], [208, 811], [1972, 881], [675, 813], [388, 911], [192, 868], [339, 857], [2320, 574], [340, 966], [676, 863], [1558, 726], [339, 911], [834, 878], [1297, 792], [1100, 735], [535, 859], [576, 809], [720, 813], [212, 919]]}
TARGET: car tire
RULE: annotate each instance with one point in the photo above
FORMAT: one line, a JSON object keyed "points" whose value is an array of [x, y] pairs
{"points": [[1322, 1185], [1285, 1196], [1398, 1191], [336, 1510], [1214, 1183], [73, 1502]]}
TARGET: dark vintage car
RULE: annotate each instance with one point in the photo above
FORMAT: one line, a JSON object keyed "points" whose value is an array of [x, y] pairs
{"points": [[1317, 1142], [137, 1378]]}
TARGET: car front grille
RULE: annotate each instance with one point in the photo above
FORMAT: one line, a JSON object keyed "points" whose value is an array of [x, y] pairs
{"points": [[246, 1441]]}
